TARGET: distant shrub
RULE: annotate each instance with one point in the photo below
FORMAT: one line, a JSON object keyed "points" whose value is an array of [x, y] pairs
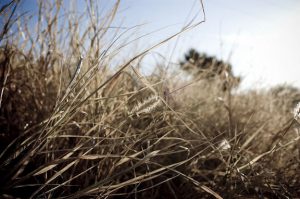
{"points": [[285, 96], [209, 68]]}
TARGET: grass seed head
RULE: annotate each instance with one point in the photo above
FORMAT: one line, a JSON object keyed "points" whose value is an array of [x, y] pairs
{"points": [[146, 106]]}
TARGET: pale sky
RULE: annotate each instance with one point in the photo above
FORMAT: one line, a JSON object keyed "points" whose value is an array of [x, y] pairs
{"points": [[262, 36]]}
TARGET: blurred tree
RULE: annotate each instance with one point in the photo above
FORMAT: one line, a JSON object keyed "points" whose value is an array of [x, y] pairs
{"points": [[210, 68]]}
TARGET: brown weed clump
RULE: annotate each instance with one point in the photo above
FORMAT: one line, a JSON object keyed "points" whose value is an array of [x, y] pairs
{"points": [[76, 122]]}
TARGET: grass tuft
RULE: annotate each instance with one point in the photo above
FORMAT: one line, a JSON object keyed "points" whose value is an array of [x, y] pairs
{"points": [[79, 121]]}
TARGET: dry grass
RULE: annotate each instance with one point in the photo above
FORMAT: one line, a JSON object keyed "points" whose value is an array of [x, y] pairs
{"points": [[74, 127]]}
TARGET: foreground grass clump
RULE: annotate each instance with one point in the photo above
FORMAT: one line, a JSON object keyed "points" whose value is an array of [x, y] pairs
{"points": [[72, 126]]}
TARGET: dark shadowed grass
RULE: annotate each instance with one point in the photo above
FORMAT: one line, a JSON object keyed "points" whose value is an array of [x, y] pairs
{"points": [[74, 127]]}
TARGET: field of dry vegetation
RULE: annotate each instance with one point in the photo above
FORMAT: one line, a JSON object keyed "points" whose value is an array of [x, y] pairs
{"points": [[72, 126]]}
